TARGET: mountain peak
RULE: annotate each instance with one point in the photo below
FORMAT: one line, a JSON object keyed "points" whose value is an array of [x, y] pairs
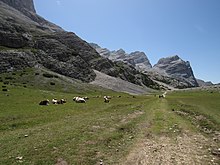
{"points": [[120, 51], [21, 5], [169, 59], [177, 68], [137, 59], [175, 57]]}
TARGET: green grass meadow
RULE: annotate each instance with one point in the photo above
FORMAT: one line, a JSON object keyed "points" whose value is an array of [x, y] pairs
{"points": [[78, 133], [85, 133]]}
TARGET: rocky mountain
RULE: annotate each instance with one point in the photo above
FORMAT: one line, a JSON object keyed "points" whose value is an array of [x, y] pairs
{"points": [[171, 70], [204, 83], [175, 71], [21, 5], [136, 59], [28, 40]]}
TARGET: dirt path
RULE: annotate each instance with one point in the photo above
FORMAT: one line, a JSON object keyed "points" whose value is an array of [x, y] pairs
{"points": [[186, 147]]}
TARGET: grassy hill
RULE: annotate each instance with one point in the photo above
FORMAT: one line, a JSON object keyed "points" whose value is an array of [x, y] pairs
{"points": [[183, 127]]}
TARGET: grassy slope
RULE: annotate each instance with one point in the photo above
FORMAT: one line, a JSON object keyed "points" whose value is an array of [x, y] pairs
{"points": [[85, 133], [79, 133], [198, 103]]}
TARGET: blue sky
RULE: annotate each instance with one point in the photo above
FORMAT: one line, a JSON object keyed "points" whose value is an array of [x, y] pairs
{"points": [[160, 28]]}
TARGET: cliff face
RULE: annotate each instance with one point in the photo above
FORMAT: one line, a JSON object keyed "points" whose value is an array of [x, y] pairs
{"points": [[28, 40], [21, 5], [175, 68]]}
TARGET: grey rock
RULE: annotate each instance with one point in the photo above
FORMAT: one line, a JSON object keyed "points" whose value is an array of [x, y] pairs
{"points": [[19, 11], [139, 60], [204, 83], [21, 4], [12, 60], [175, 68], [172, 70], [136, 59]]}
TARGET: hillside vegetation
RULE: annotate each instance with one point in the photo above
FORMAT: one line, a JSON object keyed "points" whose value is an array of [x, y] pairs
{"points": [[181, 128]]}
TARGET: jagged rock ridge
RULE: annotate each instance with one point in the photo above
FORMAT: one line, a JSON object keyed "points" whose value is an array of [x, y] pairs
{"points": [[136, 59], [171, 70]]}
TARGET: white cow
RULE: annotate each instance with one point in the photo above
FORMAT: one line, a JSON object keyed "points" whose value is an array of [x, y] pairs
{"points": [[79, 100], [54, 101], [106, 99]]}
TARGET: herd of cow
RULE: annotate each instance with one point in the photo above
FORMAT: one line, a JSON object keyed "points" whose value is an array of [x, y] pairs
{"points": [[79, 99], [76, 99]]}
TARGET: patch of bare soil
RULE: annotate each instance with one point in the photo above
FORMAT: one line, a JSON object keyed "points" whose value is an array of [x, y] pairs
{"points": [[182, 149], [131, 116]]}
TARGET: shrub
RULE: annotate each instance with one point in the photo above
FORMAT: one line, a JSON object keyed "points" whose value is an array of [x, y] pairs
{"points": [[9, 78], [6, 82], [48, 75], [52, 83]]}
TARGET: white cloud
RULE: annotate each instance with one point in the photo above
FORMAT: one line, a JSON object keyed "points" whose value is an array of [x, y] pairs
{"points": [[58, 2]]}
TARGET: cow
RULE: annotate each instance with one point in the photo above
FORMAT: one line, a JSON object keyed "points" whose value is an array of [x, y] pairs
{"points": [[163, 95], [109, 97], [44, 102], [106, 99], [61, 101], [86, 98], [74, 98], [79, 100], [54, 101]]}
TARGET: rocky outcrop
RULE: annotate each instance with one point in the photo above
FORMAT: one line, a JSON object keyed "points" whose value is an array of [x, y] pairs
{"points": [[139, 60], [24, 9], [21, 5], [204, 83], [11, 60], [176, 71], [136, 59], [28, 40]]}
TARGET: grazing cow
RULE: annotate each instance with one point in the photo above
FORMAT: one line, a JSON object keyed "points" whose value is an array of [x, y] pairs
{"points": [[54, 101], [109, 97], [61, 101], [44, 102], [79, 100], [86, 98], [161, 96], [74, 98], [106, 100]]}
